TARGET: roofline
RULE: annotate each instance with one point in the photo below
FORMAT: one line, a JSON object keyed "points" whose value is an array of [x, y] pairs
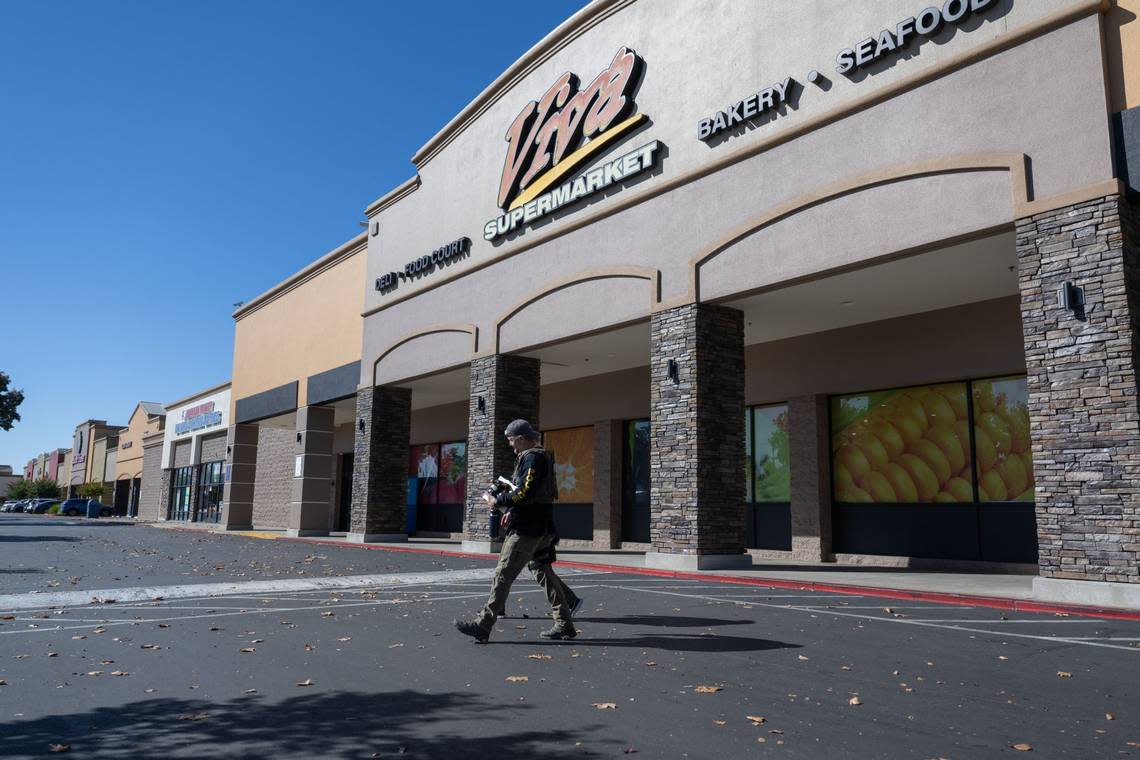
{"points": [[407, 187], [565, 33], [330, 259], [199, 394]]}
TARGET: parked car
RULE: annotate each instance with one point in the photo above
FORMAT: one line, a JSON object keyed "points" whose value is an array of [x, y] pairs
{"points": [[7, 506], [85, 508], [21, 505], [40, 506]]}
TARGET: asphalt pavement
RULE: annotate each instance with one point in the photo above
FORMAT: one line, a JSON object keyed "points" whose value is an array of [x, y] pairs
{"points": [[122, 641]]}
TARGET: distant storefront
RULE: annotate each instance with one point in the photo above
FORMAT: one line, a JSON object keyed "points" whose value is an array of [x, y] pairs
{"points": [[193, 457]]}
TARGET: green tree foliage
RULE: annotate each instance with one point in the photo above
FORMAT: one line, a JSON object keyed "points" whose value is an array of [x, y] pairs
{"points": [[90, 491], [43, 488], [9, 400], [18, 490]]}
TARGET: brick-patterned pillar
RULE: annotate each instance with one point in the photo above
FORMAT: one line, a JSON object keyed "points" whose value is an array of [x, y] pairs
{"points": [[607, 484], [1083, 415], [311, 509], [380, 465], [241, 472], [503, 388], [696, 459], [810, 455]]}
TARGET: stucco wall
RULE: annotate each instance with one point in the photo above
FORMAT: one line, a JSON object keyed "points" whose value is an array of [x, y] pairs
{"points": [[701, 57], [213, 448], [130, 458], [311, 328]]}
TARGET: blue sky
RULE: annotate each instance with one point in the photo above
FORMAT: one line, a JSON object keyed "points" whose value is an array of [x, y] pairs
{"points": [[161, 161]]}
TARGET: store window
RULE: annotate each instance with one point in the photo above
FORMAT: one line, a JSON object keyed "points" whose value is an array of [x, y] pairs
{"points": [[635, 510], [916, 445], [437, 486], [573, 450], [768, 477], [210, 498], [181, 483]]}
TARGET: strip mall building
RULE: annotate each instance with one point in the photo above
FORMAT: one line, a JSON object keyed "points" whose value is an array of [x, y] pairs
{"points": [[774, 283]]}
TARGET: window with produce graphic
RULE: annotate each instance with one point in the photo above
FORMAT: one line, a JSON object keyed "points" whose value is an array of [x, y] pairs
{"points": [[573, 463], [437, 473], [1001, 438], [916, 445], [766, 443]]}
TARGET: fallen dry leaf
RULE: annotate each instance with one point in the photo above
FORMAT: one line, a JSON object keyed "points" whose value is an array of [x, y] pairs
{"points": [[515, 679], [719, 722], [326, 614], [1109, 716], [393, 646], [605, 705], [257, 641], [106, 662], [250, 691], [345, 638], [59, 747], [78, 638], [194, 716], [150, 691], [538, 657], [845, 667], [306, 682], [150, 647], [1064, 674], [708, 689], [53, 654], [247, 650], [1002, 657], [854, 701], [757, 720], [95, 672], [1022, 747], [802, 657]]}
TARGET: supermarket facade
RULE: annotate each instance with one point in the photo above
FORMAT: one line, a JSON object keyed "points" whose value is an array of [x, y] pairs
{"points": [[780, 286]]}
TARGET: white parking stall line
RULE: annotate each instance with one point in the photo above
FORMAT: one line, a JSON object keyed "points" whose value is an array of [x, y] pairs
{"points": [[999, 621], [894, 620]]}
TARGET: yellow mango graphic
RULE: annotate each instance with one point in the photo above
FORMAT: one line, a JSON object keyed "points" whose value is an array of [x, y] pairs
{"points": [[879, 487], [908, 405], [890, 437], [853, 459], [1012, 472], [960, 489], [994, 486], [985, 452], [908, 427], [924, 478], [947, 440], [873, 449], [956, 397], [943, 497], [853, 494], [998, 431], [938, 410], [901, 482], [933, 457]]}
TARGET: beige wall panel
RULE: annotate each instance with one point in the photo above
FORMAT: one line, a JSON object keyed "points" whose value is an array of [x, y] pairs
{"points": [[861, 226], [975, 340], [310, 329], [130, 459], [440, 424], [1122, 47], [613, 396], [1007, 103], [420, 356], [576, 309], [344, 438]]}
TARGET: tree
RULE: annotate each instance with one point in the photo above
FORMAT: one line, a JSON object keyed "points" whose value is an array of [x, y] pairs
{"points": [[90, 491], [9, 400], [43, 488], [18, 490]]}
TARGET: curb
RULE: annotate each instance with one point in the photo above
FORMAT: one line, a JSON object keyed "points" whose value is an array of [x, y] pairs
{"points": [[935, 597]]}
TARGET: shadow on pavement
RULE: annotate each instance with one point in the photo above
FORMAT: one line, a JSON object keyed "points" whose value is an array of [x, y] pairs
{"points": [[28, 539], [679, 642], [664, 621], [404, 724]]}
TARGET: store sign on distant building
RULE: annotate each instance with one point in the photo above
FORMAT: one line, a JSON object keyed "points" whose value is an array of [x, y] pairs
{"points": [[197, 418], [554, 136]]}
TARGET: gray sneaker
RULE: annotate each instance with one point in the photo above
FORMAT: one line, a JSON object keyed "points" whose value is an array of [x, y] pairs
{"points": [[560, 632]]}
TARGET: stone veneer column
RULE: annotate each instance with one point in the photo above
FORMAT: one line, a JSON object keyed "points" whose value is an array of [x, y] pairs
{"points": [[311, 508], [380, 465], [696, 428], [241, 472], [810, 455], [509, 388], [1083, 414], [607, 484], [164, 495]]}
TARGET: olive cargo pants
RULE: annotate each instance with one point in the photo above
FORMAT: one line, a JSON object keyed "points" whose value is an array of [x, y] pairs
{"points": [[518, 552]]}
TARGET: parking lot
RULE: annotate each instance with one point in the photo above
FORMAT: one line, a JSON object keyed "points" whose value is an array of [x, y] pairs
{"points": [[192, 645]]}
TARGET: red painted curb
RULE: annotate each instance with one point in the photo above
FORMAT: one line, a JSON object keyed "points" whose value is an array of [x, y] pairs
{"points": [[936, 597]]}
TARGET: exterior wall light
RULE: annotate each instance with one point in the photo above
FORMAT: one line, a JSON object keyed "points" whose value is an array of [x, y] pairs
{"points": [[360, 424], [480, 404], [298, 437], [1072, 297], [672, 371]]}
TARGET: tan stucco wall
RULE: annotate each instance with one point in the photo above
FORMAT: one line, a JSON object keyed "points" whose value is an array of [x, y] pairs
{"points": [[313, 327], [1122, 48], [63, 475], [130, 460]]}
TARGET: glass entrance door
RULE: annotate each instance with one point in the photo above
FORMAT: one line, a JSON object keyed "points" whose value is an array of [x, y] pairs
{"points": [[211, 484], [181, 482], [635, 482]]}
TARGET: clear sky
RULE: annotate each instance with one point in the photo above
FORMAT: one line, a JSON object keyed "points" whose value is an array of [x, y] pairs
{"points": [[160, 161]]}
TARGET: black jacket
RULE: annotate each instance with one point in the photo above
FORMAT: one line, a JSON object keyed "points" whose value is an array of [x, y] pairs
{"points": [[529, 506]]}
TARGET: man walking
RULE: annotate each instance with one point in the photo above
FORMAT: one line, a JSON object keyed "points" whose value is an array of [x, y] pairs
{"points": [[528, 521]]}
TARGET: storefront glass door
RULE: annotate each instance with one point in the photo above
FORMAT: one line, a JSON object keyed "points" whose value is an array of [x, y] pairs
{"points": [[211, 484], [181, 482], [635, 482]]}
